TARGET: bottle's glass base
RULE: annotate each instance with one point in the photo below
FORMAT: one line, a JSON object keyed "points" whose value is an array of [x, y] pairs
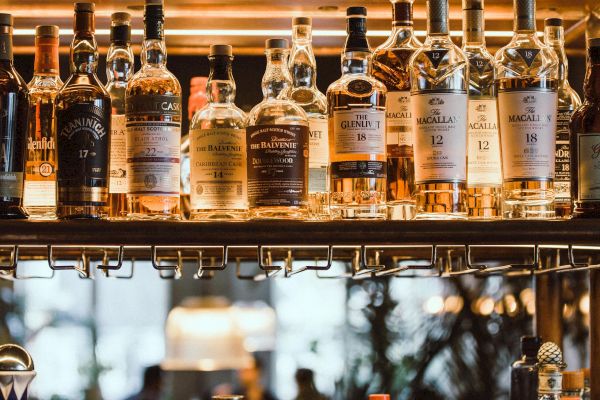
{"points": [[81, 212], [401, 211], [162, 208], [485, 202], [441, 216], [41, 213], [218, 215], [441, 200], [117, 205], [13, 212], [363, 211], [528, 200], [562, 210], [294, 213], [318, 206]]}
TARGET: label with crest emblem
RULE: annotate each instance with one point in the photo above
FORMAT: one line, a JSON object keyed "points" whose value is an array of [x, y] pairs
{"points": [[484, 165], [359, 87], [399, 125], [588, 167]]}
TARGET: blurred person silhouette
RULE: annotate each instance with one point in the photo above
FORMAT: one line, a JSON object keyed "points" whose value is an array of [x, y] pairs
{"points": [[153, 384], [251, 383], [305, 379]]}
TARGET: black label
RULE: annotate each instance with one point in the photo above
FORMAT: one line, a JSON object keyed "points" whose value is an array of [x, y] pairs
{"points": [[359, 87], [480, 64], [528, 55], [562, 177], [436, 56], [358, 169], [144, 104]]}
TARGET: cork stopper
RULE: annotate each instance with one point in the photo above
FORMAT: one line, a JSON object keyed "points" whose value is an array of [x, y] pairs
{"points": [[277, 43], [437, 17], [524, 15], [120, 29], [85, 7], [573, 380], [220, 50], [46, 31], [301, 21], [6, 20]]}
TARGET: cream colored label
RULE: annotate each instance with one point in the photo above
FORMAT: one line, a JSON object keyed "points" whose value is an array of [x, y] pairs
{"points": [[359, 131], [218, 169], [318, 142], [440, 130], [588, 164], [549, 382], [118, 155], [40, 194], [399, 122], [484, 165], [528, 134]]}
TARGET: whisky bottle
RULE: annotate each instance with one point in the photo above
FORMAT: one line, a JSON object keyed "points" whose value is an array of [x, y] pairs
{"points": [[303, 68], [13, 127], [356, 106], [83, 111], [526, 72], [119, 70], [153, 115], [218, 147], [585, 142], [439, 84], [277, 137], [391, 67], [523, 372], [484, 168], [550, 366], [568, 102]]}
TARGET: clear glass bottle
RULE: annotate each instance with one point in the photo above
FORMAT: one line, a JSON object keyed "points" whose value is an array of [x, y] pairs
{"points": [[119, 70], [568, 102], [40, 167], [83, 110], [153, 114], [218, 147], [484, 168], [303, 68], [391, 67], [356, 106], [277, 138], [439, 81], [526, 80], [572, 385], [523, 372]]}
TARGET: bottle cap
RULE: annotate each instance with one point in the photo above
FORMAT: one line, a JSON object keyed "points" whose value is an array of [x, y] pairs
{"points": [[550, 353], [530, 345], [553, 22], [301, 21], [220, 50], [276, 44], [6, 20], [472, 5], [437, 12], [49, 31], [524, 14], [85, 7], [356, 12], [120, 18], [572, 380], [379, 397]]}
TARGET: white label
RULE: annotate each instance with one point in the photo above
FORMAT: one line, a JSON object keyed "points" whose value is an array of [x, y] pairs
{"points": [[318, 156], [440, 129], [218, 169], [484, 164], [588, 164], [40, 194], [399, 120], [153, 154], [359, 131], [528, 134], [118, 155], [549, 382]]}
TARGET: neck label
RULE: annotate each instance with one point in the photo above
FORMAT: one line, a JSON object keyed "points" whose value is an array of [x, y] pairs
{"points": [[436, 56], [528, 55], [550, 382]]}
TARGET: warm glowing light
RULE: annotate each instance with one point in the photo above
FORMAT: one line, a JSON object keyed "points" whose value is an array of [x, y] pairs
{"points": [[527, 296], [486, 306], [530, 307], [510, 304], [568, 311], [434, 305], [453, 304], [584, 304]]}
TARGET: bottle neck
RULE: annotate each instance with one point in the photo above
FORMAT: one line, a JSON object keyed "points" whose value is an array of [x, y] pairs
{"points": [[6, 48], [437, 18], [84, 53], [46, 56], [119, 62], [303, 66], [356, 62], [276, 80], [356, 58], [154, 51], [473, 28], [220, 87], [554, 36], [524, 22], [402, 14], [592, 78]]}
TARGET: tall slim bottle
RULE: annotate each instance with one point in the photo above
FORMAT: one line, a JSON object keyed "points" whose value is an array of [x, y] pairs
{"points": [[83, 128], [119, 70], [568, 102], [526, 80], [524, 372], [14, 103], [303, 68], [153, 115], [484, 168], [391, 67], [439, 84]]}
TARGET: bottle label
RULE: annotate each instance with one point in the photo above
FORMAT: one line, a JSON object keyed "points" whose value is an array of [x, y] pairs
{"points": [[549, 382], [118, 155], [318, 156], [562, 177], [151, 105], [440, 129], [218, 169], [39, 193], [399, 138], [11, 184], [484, 166], [588, 165], [528, 126], [277, 165], [358, 169], [359, 131]]}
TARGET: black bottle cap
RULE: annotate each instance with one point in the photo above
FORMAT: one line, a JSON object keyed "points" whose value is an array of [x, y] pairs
{"points": [[154, 18], [6, 20], [276, 44], [356, 11], [85, 7], [553, 22], [530, 345], [357, 30], [220, 50], [301, 21], [120, 30]]}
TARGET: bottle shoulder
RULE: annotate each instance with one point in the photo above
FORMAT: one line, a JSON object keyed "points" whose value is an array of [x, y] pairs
{"points": [[150, 80], [526, 56], [277, 111], [12, 80], [44, 84], [87, 85], [310, 99], [398, 41], [341, 85], [219, 116]]}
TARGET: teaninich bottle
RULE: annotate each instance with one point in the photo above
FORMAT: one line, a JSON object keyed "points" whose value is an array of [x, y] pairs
{"points": [[277, 137], [585, 142], [119, 70], [40, 168], [356, 105], [153, 115], [526, 80], [83, 111], [439, 83], [391, 67], [218, 147], [13, 127]]}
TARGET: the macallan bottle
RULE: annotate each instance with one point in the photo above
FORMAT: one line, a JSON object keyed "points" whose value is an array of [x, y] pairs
{"points": [[40, 167], [83, 111], [153, 114], [391, 67]]}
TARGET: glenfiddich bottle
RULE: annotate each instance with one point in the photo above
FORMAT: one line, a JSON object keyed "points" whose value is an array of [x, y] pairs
{"points": [[83, 127], [356, 105], [585, 142], [391, 67], [14, 108], [153, 112], [40, 170]]}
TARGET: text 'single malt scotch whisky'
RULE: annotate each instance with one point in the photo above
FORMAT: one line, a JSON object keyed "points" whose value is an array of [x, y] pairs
{"points": [[526, 80], [391, 67], [303, 69], [83, 111], [277, 138], [40, 167], [585, 142], [356, 106], [568, 102], [153, 120], [119, 70], [218, 147], [439, 84], [484, 168]]}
